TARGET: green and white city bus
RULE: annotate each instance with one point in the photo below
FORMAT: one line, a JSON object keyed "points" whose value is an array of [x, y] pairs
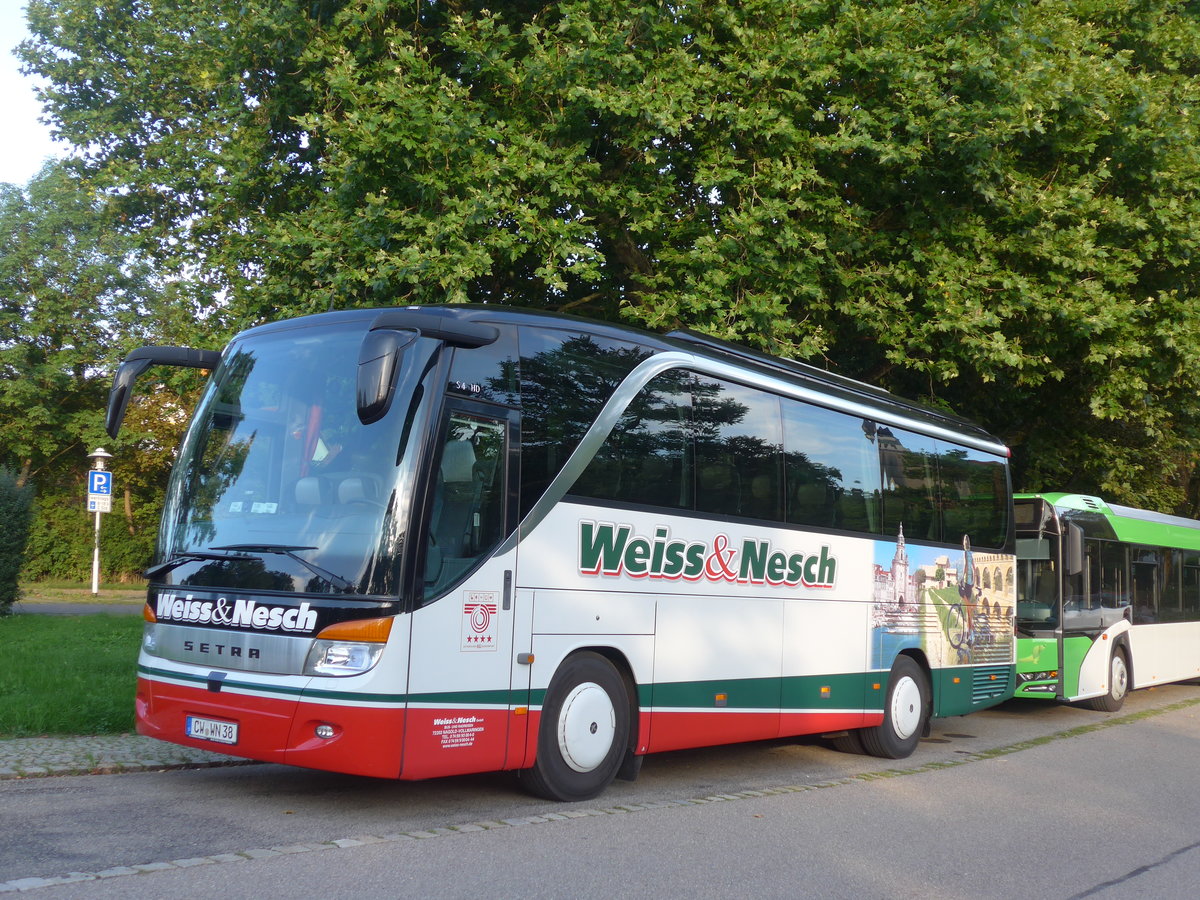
{"points": [[1108, 599], [431, 541]]}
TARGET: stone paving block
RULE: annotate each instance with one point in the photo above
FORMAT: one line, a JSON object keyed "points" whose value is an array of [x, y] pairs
{"points": [[153, 867], [116, 871]]}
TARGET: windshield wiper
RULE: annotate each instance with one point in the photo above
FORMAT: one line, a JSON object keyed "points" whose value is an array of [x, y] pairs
{"points": [[289, 551], [180, 558]]}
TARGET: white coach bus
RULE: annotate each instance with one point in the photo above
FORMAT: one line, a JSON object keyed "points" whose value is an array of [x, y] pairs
{"points": [[431, 541]]}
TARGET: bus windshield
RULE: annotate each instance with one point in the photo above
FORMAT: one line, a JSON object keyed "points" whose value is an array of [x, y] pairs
{"points": [[279, 486]]}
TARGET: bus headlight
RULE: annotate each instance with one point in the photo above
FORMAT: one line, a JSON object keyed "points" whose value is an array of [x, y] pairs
{"points": [[150, 638], [341, 658], [348, 648]]}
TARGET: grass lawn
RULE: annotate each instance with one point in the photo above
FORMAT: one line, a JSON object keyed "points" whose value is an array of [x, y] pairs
{"points": [[68, 674]]}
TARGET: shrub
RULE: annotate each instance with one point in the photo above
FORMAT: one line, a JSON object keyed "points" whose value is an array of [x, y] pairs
{"points": [[16, 514]]}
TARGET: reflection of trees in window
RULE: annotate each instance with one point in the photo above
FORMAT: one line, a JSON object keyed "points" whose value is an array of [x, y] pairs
{"points": [[647, 458], [565, 381], [832, 468], [738, 440], [908, 462], [247, 574], [219, 464]]}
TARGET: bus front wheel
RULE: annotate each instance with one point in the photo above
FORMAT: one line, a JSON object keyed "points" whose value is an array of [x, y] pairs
{"points": [[584, 731], [1118, 684], [904, 712]]}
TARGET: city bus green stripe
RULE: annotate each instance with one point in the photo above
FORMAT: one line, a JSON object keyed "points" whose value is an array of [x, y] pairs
{"points": [[853, 690]]}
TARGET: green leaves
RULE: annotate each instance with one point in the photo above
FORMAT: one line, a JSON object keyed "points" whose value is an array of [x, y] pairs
{"points": [[988, 205]]}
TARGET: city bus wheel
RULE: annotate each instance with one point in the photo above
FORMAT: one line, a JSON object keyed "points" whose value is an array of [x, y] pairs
{"points": [[584, 731], [1118, 684], [904, 712]]}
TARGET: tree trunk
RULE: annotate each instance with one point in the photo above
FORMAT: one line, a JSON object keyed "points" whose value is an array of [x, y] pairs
{"points": [[129, 511]]}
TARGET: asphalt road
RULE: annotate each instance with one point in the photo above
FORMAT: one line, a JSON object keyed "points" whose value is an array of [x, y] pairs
{"points": [[1021, 801]]}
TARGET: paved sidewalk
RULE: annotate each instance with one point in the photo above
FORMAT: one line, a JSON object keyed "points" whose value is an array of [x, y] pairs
{"points": [[100, 754], [97, 754]]}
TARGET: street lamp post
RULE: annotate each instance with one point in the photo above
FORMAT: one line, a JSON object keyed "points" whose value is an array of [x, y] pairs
{"points": [[99, 501]]}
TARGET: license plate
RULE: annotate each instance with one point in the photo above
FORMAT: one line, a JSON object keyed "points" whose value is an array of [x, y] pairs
{"points": [[212, 730]]}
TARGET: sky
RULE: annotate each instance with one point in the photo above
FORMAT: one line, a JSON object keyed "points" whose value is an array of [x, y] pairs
{"points": [[26, 142]]}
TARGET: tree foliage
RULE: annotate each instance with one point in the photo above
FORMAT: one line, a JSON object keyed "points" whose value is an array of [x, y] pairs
{"points": [[75, 295], [989, 205], [16, 512]]}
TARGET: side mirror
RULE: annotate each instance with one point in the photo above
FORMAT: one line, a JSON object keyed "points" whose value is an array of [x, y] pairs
{"points": [[1073, 550], [378, 362], [138, 362]]}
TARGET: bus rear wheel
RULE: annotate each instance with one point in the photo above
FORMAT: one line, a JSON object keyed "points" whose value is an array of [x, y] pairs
{"points": [[1118, 684], [905, 711], [584, 731]]}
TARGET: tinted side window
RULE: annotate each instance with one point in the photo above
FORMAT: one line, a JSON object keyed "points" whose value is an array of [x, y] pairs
{"points": [[648, 456], [738, 450], [566, 378], [909, 467], [973, 496], [489, 372], [1191, 586], [832, 469]]}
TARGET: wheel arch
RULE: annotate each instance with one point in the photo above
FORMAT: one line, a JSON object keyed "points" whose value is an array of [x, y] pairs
{"points": [[1121, 642], [624, 668]]}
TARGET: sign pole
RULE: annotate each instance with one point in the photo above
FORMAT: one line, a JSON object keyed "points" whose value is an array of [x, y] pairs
{"points": [[100, 500], [96, 557]]}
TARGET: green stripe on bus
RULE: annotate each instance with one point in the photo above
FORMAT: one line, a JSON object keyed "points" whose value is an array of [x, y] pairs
{"points": [[976, 686]]}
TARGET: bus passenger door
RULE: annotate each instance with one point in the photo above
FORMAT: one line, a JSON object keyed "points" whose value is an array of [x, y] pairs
{"points": [[460, 663]]}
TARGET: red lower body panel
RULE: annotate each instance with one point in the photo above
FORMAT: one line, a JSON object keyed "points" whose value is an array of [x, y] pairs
{"points": [[365, 741], [681, 730]]}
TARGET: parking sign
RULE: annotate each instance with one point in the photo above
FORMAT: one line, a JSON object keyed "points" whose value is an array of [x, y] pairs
{"points": [[99, 496], [99, 482]]}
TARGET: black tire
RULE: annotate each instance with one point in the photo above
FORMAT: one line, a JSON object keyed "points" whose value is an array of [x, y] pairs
{"points": [[1118, 684], [584, 731], [905, 712], [850, 742]]}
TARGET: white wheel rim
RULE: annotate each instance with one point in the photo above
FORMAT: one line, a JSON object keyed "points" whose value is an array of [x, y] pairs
{"points": [[906, 708], [586, 726], [1120, 677]]}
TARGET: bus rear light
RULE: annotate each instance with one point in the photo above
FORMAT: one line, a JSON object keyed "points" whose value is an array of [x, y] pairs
{"points": [[361, 631], [148, 613]]}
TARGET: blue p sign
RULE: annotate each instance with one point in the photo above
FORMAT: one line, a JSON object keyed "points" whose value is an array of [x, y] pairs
{"points": [[99, 482]]}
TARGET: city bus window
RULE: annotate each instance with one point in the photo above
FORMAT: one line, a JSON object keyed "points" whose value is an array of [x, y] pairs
{"points": [[832, 469], [1191, 587], [489, 372], [647, 459], [973, 496], [738, 450], [467, 519], [566, 379], [909, 467], [1144, 581]]}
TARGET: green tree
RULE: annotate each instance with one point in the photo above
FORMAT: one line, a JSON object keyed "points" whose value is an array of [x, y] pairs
{"points": [[16, 508], [988, 205], [74, 297]]}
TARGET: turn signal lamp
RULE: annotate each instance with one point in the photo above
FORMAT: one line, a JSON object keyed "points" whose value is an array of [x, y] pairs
{"points": [[348, 648]]}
